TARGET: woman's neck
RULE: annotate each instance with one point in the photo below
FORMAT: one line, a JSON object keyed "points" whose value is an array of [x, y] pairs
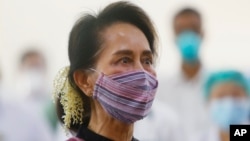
{"points": [[103, 124]]}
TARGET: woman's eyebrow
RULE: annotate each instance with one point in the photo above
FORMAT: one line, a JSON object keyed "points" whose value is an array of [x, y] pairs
{"points": [[123, 52], [130, 53], [147, 53]]}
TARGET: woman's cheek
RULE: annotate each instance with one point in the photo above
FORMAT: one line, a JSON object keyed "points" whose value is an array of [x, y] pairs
{"points": [[150, 69]]}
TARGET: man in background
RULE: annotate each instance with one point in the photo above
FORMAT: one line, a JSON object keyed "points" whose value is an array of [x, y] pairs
{"points": [[19, 124], [33, 90], [32, 82], [183, 91]]}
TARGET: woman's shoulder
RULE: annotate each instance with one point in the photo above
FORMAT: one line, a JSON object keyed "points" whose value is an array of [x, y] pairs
{"points": [[75, 139]]}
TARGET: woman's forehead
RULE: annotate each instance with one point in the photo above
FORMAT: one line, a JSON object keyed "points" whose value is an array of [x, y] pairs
{"points": [[124, 36], [121, 30]]}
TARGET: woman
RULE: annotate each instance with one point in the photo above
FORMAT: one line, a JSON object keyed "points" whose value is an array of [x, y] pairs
{"points": [[228, 95], [111, 81]]}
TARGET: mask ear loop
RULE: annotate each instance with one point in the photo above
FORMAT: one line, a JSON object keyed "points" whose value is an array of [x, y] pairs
{"points": [[93, 70]]}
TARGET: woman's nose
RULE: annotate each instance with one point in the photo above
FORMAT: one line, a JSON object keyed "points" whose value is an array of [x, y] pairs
{"points": [[138, 66]]}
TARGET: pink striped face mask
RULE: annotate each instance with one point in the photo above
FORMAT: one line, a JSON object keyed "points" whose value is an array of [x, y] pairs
{"points": [[128, 96]]}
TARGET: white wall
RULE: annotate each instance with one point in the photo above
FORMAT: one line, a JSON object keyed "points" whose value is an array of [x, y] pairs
{"points": [[47, 23]]}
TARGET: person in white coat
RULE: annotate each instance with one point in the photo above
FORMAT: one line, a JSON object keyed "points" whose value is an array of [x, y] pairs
{"points": [[227, 94], [19, 124], [162, 124], [183, 91]]}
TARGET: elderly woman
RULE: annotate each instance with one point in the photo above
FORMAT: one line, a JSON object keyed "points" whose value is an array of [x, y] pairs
{"points": [[227, 93], [111, 81]]}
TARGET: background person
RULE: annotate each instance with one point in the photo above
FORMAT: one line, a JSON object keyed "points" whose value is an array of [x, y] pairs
{"points": [[161, 124], [33, 90], [18, 123], [227, 94], [183, 91]]}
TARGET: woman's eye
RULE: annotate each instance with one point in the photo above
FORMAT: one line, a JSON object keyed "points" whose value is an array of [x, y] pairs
{"points": [[148, 61], [125, 60]]}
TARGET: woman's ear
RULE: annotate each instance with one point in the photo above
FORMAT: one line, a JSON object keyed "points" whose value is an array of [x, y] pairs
{"points": [[84, 82]]}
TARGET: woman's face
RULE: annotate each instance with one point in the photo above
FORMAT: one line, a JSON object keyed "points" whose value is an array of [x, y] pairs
{"points": [[124, 48], [228, 89]]}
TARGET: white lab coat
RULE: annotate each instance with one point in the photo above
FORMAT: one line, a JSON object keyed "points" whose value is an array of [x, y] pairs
{"points": [[17, 124], [161, 124], [186, 98], [210, 134]]}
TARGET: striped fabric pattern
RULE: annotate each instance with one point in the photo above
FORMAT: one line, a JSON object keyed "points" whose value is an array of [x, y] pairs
{"points": [[127, 97]]}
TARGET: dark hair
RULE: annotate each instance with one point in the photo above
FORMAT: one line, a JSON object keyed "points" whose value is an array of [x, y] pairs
{"points": [[185, 11], [85, 41]]}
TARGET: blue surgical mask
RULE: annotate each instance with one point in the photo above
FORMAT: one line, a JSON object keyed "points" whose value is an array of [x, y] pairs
{"points": [[188, 43], [228, 111]]}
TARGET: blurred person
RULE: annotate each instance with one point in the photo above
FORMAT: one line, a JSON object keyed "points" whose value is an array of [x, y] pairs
{"points": [[111, 81], [31, 82], [18, 124], [227, 94], [32, 88], [183, 91], [161, 124], [1, 85]]}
